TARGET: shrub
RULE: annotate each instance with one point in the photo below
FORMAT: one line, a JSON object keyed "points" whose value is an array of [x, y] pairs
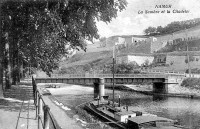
{"points": [[191, 83]]}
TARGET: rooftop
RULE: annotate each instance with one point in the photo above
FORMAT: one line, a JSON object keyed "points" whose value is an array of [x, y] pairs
{"points": [[145, 119], [126, 113]]}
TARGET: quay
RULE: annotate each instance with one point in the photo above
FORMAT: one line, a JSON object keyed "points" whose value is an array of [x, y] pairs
{"points": [[38, 112]]}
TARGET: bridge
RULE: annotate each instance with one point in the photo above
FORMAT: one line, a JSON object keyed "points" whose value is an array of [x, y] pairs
{"points": [[160, 81]]}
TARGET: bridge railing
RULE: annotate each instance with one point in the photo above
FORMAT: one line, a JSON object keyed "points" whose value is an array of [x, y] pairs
{"points": [[193, 75], [165, 72], [108, 75]]}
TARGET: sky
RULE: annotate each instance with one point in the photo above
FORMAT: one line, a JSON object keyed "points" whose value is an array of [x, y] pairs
{"points": [[130, 22]]}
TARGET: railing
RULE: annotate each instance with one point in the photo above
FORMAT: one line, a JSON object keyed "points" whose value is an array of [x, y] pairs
{"points": [[193, 75], [164, 71], [43, 114], [108, 75]]}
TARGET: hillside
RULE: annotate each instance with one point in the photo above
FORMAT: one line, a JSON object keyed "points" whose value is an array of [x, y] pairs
{"points": [[193, 45], [88, 61], [142, 47], [99, 54]]}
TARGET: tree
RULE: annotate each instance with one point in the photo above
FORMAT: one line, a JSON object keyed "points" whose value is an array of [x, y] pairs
{"points": [[146, 63], [40, 30], [172, 27], [191, 58], [159, 29], [124, 68], [150, 30], [103, 41]]}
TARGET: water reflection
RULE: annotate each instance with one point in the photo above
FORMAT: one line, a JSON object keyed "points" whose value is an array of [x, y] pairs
{"points": [[159, 98]]}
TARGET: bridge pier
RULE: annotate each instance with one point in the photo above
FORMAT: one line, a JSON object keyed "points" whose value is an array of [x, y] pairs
{"points": [[99, 89], [160, 87]]}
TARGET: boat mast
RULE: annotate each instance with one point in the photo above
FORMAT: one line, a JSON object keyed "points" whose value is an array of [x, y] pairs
{"points": [[113, 74]]}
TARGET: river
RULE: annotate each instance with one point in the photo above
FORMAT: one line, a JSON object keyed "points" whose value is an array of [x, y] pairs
{"points": [[186, 111]]}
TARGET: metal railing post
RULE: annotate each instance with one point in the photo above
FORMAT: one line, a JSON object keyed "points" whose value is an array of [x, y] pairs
{"points": [[36, 104], [46, 117], [38, 115], [39, 110]]}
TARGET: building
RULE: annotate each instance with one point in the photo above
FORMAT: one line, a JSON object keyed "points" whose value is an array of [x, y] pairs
{"points": [[136, 59], [160, 58], [131, 40]]}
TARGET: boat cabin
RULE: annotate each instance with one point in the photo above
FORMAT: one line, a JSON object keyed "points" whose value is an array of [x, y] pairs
{"points": [[124, 115], [150, 122]]}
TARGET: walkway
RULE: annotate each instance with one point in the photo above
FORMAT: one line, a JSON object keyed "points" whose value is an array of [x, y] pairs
{"points": [[9, 110]]}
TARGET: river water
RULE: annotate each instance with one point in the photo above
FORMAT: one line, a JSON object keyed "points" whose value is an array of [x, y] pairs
{"points": [[186, 111]]}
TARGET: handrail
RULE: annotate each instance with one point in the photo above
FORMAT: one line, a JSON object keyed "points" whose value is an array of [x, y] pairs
{"points": [[42, 109], [51, 117], [164, 71]]}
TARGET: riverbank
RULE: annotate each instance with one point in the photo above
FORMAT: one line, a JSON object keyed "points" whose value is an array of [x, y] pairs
{"points": [[173, 91]]}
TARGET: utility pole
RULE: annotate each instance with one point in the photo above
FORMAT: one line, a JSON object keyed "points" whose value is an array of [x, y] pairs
{"points": [[113, 74]]}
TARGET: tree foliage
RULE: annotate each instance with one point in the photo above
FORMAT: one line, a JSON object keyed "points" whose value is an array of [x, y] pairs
{"points": [[38, 31], [191, 59], [172, 27], [150, 30], [193, 83], [125, 68]]}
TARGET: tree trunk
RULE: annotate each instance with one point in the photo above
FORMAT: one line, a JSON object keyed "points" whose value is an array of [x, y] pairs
{"points": [[22, 75], [1, 57], [18, 69], [8, 76], [1, 76], [14, 51], [14, 67]]}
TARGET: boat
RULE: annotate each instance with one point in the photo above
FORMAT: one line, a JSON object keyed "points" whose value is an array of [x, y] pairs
{"points": [[152, 122], [128, 119], [114, 115]]}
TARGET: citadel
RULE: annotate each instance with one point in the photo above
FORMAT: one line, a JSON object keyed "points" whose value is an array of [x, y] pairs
{"points": [[141, 48]]}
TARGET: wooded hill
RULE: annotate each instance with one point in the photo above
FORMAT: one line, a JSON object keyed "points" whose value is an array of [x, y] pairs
{"points": [[172, 27]]}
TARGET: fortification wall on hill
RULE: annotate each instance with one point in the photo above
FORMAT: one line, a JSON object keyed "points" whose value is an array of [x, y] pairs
{"points": [[159, 42], [145, 44]]}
